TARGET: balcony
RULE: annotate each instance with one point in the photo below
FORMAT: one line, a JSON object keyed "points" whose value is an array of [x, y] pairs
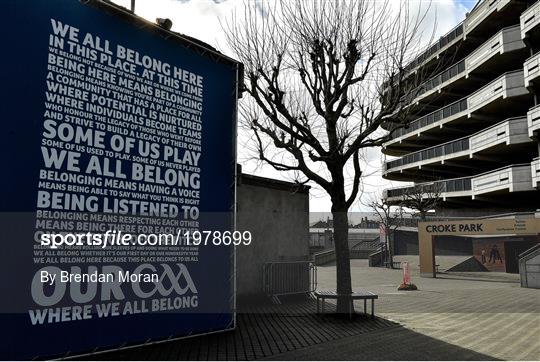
{"points": [[436, 83], [481, 12], [530, 19], [505, 41], [531, 69], [505, 133], [508, 85], [508, 132], [475, 18], [535, 172], [447, 40], [533, 120], [456, 76], [433, 119], [512, 178], [458, 187], [482, 21], [429, 155]]}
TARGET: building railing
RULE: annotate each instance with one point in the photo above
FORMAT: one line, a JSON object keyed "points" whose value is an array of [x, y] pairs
{"points": [[481, 12], [529, 19], [436, 187], [509, 130], [429, 153], [513, 130], [493, 180], [508, 39], [514, 177], [529, 267], [508, 84], [495, 89], [433, 117], [431, 51], [442, 77], [473, 19], [531, 68], [434, 49], [533, 120]]}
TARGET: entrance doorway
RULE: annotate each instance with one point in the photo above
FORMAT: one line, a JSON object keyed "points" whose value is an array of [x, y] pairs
{"points": [[512, 249]]}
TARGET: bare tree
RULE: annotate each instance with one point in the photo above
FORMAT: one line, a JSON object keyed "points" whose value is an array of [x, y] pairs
{"points": [[315, 71], [390, 218], [422, 198]]}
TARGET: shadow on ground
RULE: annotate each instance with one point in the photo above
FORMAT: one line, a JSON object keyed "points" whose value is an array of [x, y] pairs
{"points": [[263, 330], [394, 343], [292, 330]]}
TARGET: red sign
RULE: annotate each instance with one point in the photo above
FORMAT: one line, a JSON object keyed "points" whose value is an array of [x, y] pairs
{"points": [[406, 272]]}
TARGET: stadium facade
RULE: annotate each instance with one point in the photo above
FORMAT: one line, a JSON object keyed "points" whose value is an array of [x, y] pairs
{"points": [[475, 121]]}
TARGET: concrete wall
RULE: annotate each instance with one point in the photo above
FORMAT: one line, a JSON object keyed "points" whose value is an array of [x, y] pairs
{"points": [[405, 242], [277, 214], [453, 245]]}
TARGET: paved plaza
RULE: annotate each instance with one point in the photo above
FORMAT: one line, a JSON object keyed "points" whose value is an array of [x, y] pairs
{"points": [[488, 313], [465, 316], [264, 330]]}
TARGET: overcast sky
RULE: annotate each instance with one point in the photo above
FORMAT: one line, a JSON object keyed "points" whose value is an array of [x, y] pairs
{"points": [[201, 19]]}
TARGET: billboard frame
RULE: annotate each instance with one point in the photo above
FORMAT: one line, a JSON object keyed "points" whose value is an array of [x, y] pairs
{"points": [[204, 50], [236, 71]]}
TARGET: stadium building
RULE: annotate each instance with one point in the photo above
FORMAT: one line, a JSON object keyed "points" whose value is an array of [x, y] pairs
{"points": [[473, 132], [474, 124]]}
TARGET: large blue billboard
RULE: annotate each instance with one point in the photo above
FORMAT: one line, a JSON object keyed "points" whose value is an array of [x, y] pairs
{"points": [[111, 126]]}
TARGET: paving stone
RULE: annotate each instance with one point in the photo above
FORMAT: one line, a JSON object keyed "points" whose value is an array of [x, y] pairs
{"points": [[459, 316], [263, 331]]}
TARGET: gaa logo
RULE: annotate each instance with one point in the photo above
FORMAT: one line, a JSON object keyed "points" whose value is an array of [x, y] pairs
{"points": [[111, 282]]}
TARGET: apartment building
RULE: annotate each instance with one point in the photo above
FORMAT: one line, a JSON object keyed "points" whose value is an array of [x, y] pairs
{"points": [[475, 121]]}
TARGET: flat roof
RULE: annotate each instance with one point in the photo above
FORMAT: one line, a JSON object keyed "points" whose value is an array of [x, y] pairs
{"points": [[253, 180]]}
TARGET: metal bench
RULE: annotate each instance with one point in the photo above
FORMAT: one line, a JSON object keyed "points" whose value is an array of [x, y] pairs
{"points": [[359, 294]]}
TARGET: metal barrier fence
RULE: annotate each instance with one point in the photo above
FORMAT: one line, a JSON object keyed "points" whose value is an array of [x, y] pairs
{"points": [[435, 81], [529, 267], [453, 185], [443, 41], [427, 53], [444, 112], [289, 277], [447, 148]]}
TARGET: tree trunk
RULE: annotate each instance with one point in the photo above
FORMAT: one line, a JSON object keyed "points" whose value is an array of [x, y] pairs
{"points": [[343, 265]]}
